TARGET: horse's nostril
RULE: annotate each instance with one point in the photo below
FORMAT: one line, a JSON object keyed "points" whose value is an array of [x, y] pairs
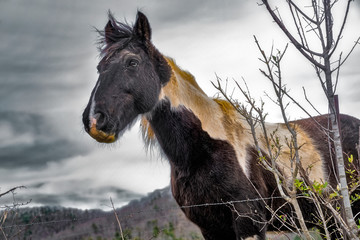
{"points": [[100, 120], [98, 128]]}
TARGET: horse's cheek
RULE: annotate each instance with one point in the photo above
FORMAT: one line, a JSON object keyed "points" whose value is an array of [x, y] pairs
{"points": [[149, 95]]}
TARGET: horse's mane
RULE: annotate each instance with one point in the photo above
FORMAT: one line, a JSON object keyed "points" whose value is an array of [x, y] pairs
{"points": [[185, 75]]}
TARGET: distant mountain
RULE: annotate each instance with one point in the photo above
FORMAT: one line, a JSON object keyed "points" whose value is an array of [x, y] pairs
{"points": [[156, 216]]}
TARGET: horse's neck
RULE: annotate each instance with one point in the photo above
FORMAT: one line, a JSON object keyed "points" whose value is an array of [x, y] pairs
{"points": [[217, 117], [182, 90]]}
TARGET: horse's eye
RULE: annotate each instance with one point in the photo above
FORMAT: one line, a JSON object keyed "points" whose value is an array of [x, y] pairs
{"points": [[133, 63]]}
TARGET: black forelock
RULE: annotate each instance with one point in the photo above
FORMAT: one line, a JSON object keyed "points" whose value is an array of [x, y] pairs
{"points": [[122, 35]]}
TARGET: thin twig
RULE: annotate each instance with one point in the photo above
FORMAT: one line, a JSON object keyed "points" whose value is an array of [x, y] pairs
{"points": [[347, 55], [300, 11], [341, 29], [117, 219], [11, 190], [310, 103]]}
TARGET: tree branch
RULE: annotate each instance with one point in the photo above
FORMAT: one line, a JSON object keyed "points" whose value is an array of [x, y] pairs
{"points": [[11, 190], [301, 48], [347, 55], [292, 4], [342, 28]]}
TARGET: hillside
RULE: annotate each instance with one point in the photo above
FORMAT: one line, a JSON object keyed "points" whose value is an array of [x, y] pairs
{"points": [[153, 217]]}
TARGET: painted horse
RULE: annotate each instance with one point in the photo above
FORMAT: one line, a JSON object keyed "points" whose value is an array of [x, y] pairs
{"points": [[208, 144]]}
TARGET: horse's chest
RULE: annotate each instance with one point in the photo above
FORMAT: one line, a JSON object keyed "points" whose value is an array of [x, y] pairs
{"points": [[194, 189], [200, 199]]}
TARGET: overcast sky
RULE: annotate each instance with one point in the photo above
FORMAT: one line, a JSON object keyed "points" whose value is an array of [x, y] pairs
{"points": [[48, 61]]}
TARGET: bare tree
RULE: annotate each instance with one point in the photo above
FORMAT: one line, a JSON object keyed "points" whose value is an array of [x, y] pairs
{"points": [[319, 21], [325, 210], [255, 117], [5, 214]]}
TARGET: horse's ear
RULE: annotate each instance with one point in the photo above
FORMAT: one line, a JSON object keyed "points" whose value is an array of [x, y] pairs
{"points": [[142, 27], [142, 30], [110, 29]]}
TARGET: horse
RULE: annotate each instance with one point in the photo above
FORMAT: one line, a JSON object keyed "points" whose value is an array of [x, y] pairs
{"points": [[208, 144]]}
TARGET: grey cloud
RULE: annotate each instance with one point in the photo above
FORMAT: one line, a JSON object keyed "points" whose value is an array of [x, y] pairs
{"points": [[71, 192], [38, 155], [117, 193], [95, 198], [37, 185], [32, 142], [44, 45], [179, 12], [21, 122]]}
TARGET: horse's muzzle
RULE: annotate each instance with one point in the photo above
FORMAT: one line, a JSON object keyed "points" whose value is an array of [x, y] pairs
{"points": [[99, 135]]}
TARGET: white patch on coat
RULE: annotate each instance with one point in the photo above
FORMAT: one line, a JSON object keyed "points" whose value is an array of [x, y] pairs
{"points": [[93, 104]]}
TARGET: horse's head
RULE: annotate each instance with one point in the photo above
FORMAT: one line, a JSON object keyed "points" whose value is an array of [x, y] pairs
{"points": [[131, 74]]}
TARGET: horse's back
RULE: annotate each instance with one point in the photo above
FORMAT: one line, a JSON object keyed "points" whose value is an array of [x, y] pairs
{"points": [[350, 134], [349, 129], [316, 128]]}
